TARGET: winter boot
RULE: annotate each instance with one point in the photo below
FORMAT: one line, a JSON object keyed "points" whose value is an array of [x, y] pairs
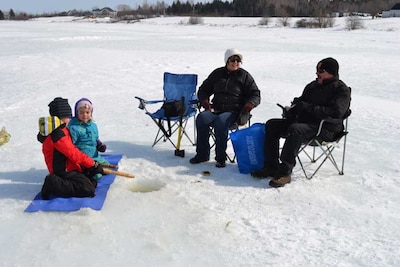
{"points": [[263, 173], [280, 181]]}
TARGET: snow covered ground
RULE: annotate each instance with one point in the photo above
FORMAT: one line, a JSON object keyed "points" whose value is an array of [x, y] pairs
{"points": [[171, 215]]}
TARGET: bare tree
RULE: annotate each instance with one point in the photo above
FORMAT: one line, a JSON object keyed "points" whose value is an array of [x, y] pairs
{"points": [[354, 23], [123, 8], [160, 7], [282, 12], [145, 8]]}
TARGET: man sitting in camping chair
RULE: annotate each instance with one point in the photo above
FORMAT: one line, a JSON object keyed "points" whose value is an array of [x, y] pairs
{"points": [[325, 98]]}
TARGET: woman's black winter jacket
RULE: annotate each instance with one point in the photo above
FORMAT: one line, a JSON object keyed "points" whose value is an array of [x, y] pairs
{"points": [[231, 90]]}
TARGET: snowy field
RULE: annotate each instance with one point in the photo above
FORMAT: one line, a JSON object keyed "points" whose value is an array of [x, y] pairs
{"points": [[171, 215]]}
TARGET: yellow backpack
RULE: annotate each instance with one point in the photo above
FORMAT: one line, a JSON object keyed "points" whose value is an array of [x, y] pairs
{"points": [[48, 124]]}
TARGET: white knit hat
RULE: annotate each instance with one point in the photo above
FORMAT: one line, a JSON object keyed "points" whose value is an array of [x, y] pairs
{"points": [[232, 52], [84, 104]]}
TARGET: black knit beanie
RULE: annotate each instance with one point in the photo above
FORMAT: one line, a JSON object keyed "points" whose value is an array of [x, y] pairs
{"points": [[60, 108], [330, 65]]}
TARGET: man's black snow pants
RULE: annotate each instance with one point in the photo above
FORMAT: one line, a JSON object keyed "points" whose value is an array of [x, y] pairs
{"points": [[294, 133]]}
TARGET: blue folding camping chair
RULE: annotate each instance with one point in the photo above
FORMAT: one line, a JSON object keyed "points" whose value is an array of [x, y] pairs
{"points": [[178, 106]]}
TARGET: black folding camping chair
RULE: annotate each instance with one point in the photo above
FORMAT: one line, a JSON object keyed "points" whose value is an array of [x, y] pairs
{"points": [[320, 151]]}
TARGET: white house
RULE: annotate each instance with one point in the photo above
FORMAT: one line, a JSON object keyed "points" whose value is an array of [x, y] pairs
{"points": [[394, 12], [104, 12]]}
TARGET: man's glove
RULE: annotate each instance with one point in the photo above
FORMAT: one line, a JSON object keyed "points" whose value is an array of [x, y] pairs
{"points": [[302, 106], [206, 104], [288, 112], [295, 100], [243, 118], [95, 169], [284, 110], [247, 107], [101, 147]]}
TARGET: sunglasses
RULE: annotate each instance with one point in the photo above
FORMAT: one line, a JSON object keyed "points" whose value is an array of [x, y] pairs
{"points": [[233, 59], [319, 70]]}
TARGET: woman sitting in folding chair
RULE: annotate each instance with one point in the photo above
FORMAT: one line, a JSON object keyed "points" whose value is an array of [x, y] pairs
{"points": [[326, 97], [235, 95]]}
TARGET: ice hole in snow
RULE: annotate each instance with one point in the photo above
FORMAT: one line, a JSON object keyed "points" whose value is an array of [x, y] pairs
{"points": [[146, 185]]}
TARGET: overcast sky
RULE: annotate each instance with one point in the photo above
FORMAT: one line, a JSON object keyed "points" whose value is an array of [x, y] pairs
{"points": [[47, 6]]}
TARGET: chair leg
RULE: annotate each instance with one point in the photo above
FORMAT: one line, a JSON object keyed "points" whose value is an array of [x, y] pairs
{"points": [[158, 137], [341, 172], [232, 160], [327, 151], [194, 132], [212, 134], [162, 134], [185, 133], [303, 168], [328, 155]]}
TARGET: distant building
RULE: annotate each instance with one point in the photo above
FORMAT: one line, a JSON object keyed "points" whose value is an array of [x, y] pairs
{"points": [[340, 14], [104, 12], [394, 12]]}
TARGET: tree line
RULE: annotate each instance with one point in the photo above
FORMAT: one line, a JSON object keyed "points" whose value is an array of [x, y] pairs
{"points": [[11, 15], [247, 8], [278, 8]]}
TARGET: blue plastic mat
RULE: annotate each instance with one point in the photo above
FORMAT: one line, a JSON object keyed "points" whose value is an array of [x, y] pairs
{"points": [[76, 203]]}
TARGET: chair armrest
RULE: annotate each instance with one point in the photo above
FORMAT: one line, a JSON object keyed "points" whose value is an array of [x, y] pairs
{"points": [[332, 120], [154, 101], [143, 102], [328, 120], [320, 127], [149, 101]]}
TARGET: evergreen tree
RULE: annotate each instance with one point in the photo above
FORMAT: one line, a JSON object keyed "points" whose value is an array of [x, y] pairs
{"points": [[11, 14]]}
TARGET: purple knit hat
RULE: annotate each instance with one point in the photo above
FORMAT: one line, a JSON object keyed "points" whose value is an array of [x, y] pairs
{"points": [[83, 102]]}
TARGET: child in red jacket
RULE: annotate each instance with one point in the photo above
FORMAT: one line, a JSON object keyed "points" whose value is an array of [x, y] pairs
{"points": [[70, 171]]}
